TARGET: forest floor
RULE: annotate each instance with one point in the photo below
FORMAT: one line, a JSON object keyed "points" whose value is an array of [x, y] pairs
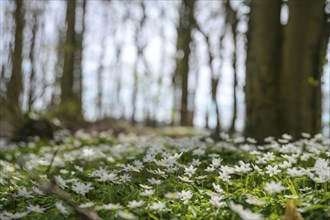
{"points": [[151, 175]]}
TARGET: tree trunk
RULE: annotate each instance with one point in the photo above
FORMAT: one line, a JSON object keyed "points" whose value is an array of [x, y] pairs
{"points": [[31, 92], [78, 73], [140, 46], [14, 86], [302, 68], [182, 63], [232, 20], [262, 69], [283, 76], [69, 106]]}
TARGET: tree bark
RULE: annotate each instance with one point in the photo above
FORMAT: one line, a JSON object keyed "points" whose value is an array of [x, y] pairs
{"points": [[182, 63], [14, 86], [31, 92], [283, 75], [70, 108], [262, 69], [232, 20], [302, 68]]}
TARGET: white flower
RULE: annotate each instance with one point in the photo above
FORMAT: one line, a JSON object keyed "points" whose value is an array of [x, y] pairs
{"points": [[125, 178], [135, 204], [132, 168], [105, 177], [321, 176], [251, 140], [171, 195], [185, 179], [177, 156], [172, 169], [24, 193], [216, 162], [145, 186], [269, 139], [111, 206], [272, 170], [64, 171], [159, 206], [285, 164], [148, 158], [245, 214], [261, 160], [189, 171], [200, 177], [8, 215], [61, 208], [243, 168], [283, 141], [216, 201], [110, 159], [185, 196], [257, 169], [199, 152], [158, 172], [217, 188], [255, 152], [126, 215], [225, 177], [170, 161], [210, 168], [269, 156], [138, 164], [35, 208], [60, 182], [196, 162], [153, 181], [38, 191], [87, 152], [321, 164], [293, 172], [81, 188], [306, 156], [305, 135], [274, 187], [287, 136], [253, 200], [147, 192], [291, 158], [226, 169]]}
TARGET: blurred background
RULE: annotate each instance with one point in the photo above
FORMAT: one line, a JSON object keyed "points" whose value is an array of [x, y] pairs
{"points": [[259, 68]]}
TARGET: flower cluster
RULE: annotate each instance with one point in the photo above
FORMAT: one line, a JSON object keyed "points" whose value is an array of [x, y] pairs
{"points": [[162, 178]]}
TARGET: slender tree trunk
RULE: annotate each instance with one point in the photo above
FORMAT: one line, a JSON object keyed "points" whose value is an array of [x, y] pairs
{"points": [[99, 98], [140, 44], [232, 20], [214, 80], [118, 68], [262, 69], [302, 68], [70, 108], [67, 107], [14, 86], [134, 94], [31, 92], [78, 74], [182, 65]]}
